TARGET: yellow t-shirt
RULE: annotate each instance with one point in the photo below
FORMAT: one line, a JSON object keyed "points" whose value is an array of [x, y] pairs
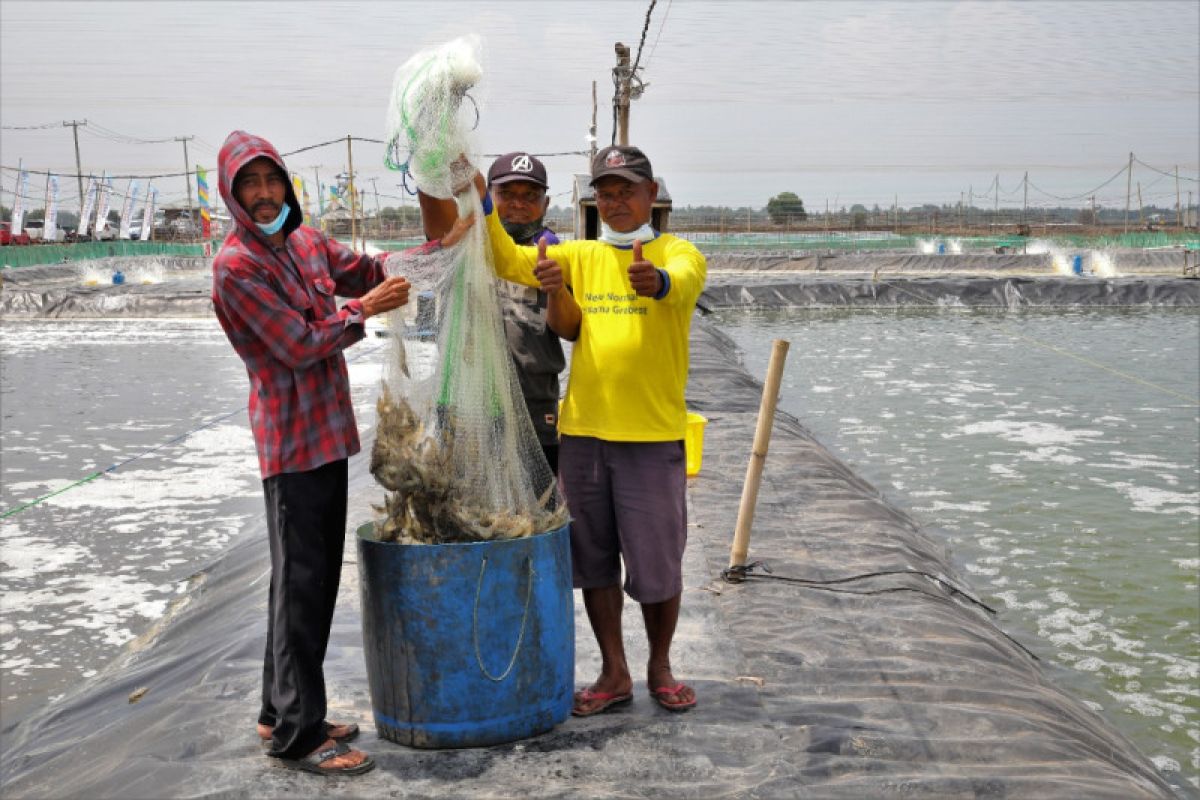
{"points": [[629, 366]]}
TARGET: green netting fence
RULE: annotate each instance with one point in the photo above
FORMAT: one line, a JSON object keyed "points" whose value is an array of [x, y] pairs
{"points": [[868, 242], [24, 256]]}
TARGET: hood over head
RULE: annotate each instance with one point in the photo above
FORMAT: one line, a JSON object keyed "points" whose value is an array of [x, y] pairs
{"points": [[239, 149]]}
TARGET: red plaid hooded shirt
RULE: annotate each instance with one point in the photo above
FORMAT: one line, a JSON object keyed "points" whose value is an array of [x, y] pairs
{"points": [[279, 310]]}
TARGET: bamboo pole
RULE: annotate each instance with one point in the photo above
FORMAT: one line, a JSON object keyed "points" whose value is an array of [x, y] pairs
{"points": [[758, 455]]}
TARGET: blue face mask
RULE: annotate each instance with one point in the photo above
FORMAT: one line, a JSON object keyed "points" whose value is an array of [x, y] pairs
{"points": [[272, 228]]}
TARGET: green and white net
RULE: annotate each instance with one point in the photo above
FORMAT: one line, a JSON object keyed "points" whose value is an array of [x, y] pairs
{"points": [[454, 447]]}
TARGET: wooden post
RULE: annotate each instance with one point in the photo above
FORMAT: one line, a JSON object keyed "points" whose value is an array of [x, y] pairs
{"points": [[758, 456], [621, 100], [353, 211]]}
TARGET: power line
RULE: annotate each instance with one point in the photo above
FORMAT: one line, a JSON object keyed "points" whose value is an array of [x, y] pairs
{"points": [[29, 127], [645, 27], [661, 25], [1168, 174], [1088, 193]]}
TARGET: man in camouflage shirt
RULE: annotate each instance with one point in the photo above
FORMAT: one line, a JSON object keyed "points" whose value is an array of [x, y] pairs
{"points": [[517, 184]]}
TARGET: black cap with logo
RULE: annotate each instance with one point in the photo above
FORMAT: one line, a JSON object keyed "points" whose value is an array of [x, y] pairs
{"points": [[517, 167], [623, 161]]}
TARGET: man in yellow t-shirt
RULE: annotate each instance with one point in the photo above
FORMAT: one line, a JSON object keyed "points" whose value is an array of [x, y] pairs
{"points": [[626, 301]]}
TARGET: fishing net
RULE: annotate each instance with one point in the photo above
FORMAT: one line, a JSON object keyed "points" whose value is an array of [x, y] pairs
{"points": [[454, 446]]}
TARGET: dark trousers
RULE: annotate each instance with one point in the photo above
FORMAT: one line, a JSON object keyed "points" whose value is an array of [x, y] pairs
{"points": [[306, 523], [551, 453]]}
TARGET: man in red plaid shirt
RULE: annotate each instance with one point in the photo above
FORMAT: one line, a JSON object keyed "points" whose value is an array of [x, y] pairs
{"points": [[275, 284]]}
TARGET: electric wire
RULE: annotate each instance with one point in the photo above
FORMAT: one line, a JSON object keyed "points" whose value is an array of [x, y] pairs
{"points": [[1168, 174], [746, 574], [653, 47], [645, 27]]}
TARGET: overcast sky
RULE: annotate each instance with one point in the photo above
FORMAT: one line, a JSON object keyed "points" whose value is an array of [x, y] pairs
{"points": [[841, 102]]}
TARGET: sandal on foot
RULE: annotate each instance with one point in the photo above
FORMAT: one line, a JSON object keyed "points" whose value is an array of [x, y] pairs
{"points": [[606, 699], [662, 693], [313, 762], [338, 731]]}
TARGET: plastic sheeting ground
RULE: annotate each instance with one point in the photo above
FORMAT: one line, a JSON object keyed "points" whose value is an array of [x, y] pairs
{"points": [[184, 285], [892, 685]]}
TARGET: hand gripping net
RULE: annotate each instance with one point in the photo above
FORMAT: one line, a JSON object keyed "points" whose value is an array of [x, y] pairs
{"points": [[454, 446]]}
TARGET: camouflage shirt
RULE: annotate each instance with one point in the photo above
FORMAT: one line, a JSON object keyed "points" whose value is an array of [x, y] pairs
{"points": [[536, 350]]}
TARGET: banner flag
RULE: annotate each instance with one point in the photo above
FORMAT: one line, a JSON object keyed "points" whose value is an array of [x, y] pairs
{"points": [[131, 196], [50, 225], [148, 213], [17, 219], [205, 210], [102, 203], [307, 203], [89, 202], [302, 197]]}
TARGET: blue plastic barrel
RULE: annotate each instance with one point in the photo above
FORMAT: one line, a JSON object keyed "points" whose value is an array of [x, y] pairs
{"points": [[118, 278], [467, 645], [1077, 265], [941, 248]]}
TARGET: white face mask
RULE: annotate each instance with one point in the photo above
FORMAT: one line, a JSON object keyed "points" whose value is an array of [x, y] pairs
{"points": [[644, 234]]}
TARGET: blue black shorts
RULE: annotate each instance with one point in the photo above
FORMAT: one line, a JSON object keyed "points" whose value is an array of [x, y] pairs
{"points": [[628, 502]]}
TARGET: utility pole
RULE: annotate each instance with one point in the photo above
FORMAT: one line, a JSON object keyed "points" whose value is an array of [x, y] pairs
{"points": [[1141, 217], [1178, 219], [353, 205], [592, 130], [320, 194], [74, 125], [187, 173], [46, 211], [996, 202], [1095, 219], [1128, 189], [1025, 202], [378, 219], [621, 76], [1188, 216]]}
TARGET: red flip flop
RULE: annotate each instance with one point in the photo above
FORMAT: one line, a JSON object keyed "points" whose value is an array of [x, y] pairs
{"points": [[607, 701], [661, 694]]}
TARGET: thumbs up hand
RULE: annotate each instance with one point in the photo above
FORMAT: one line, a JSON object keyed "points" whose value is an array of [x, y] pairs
{"points": [[547, 271], [643, 275]]}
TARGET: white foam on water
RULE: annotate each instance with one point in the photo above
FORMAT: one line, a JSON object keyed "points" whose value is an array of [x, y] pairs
{"points": [[1152, 500], [974, 507], [26, 558], [1037, 434], [1165, 764], [1012, 600]]}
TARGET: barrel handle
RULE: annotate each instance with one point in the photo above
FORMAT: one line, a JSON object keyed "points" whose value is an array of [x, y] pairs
{"points": [[524, 619]]}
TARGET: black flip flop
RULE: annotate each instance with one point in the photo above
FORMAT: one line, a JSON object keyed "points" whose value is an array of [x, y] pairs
{"points": [[313, 761]]}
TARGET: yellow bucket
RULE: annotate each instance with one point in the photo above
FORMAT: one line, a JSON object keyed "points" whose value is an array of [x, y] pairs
{"points": [[693, 442]]}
